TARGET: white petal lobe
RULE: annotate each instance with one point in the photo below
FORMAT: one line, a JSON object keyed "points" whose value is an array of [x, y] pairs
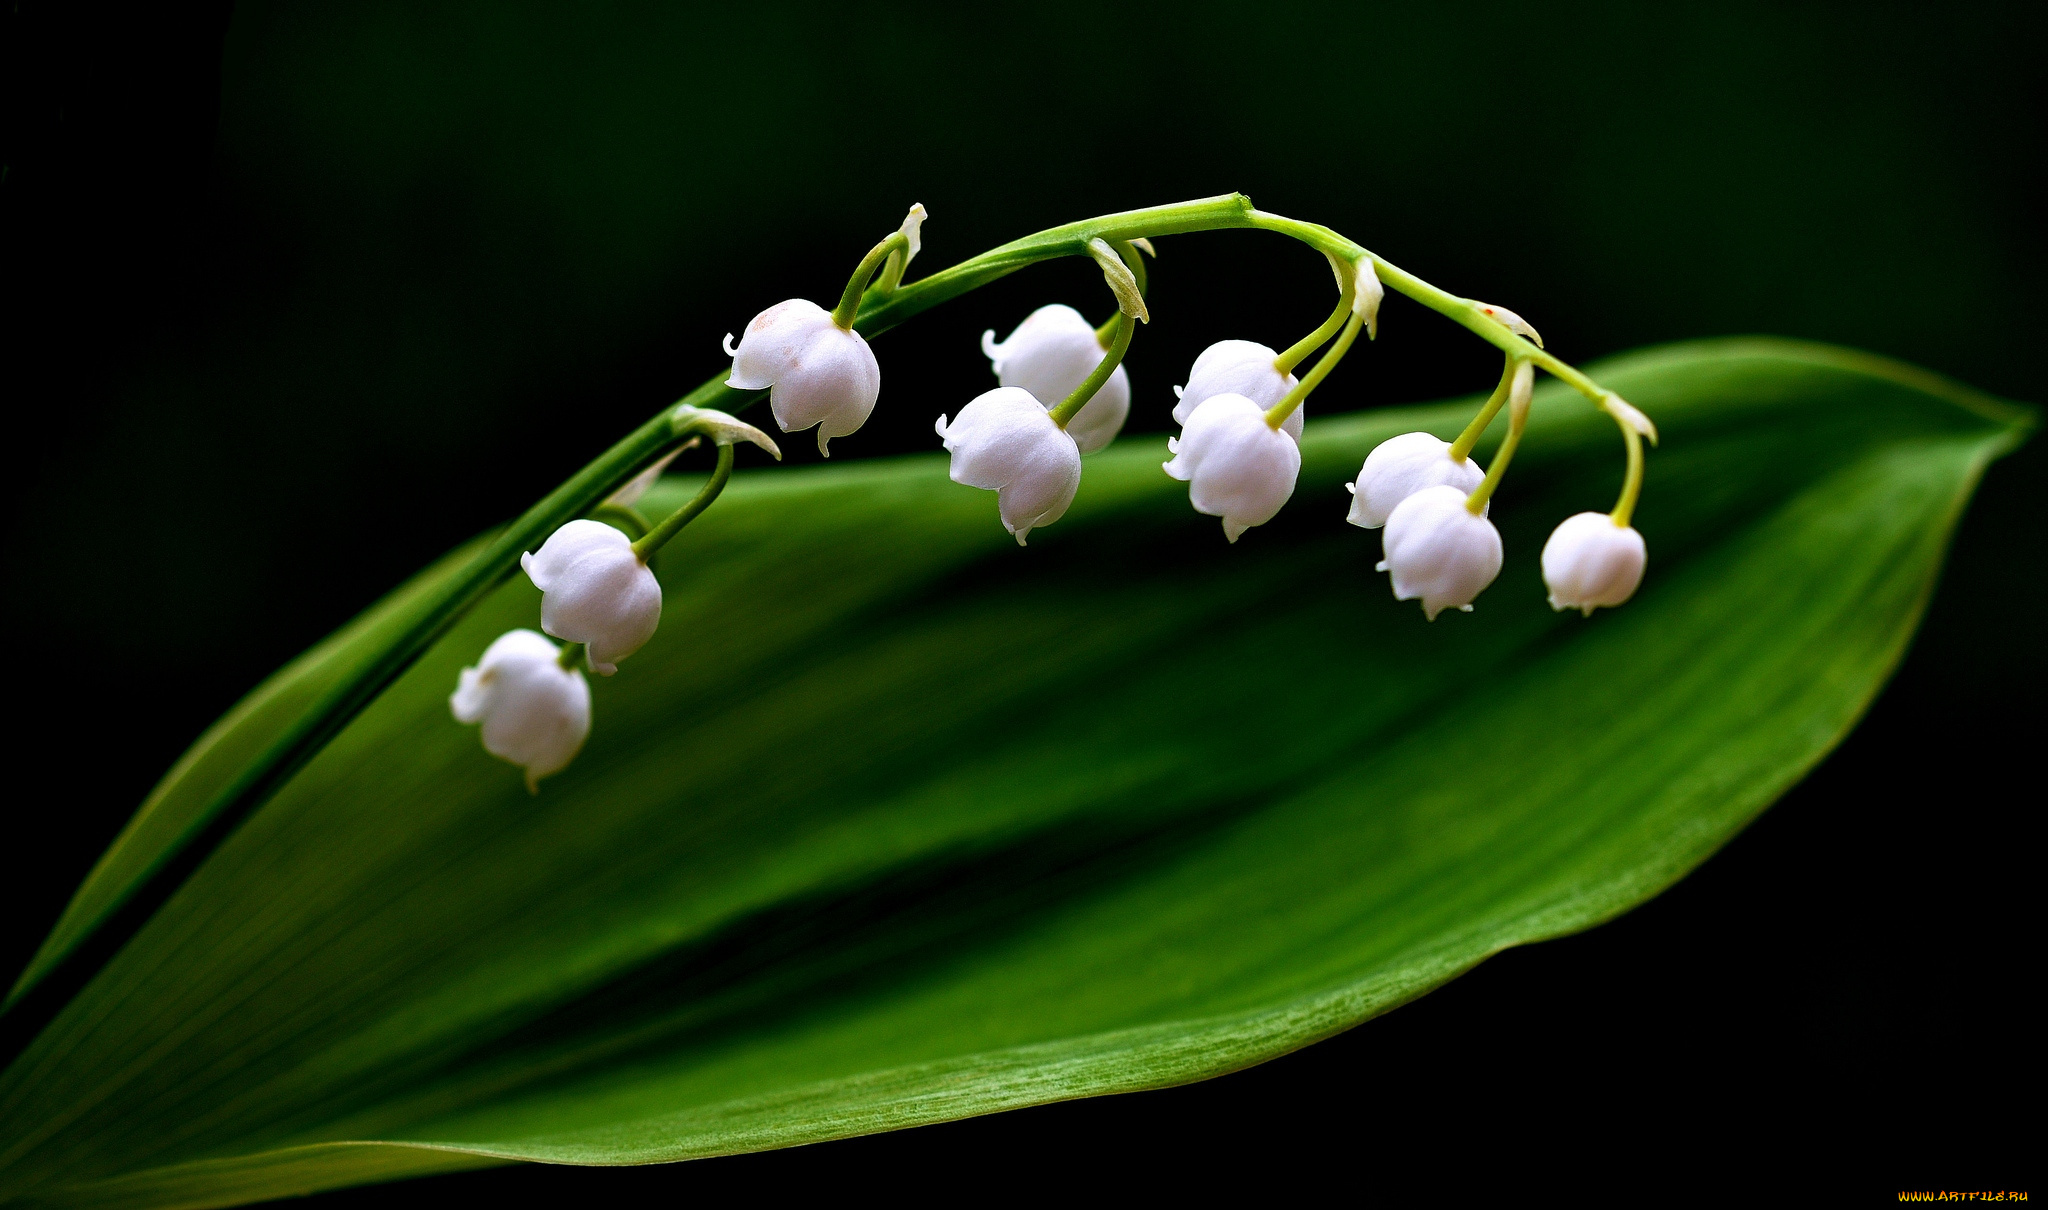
{"points": [[1236, 466], [1438, 551], [1590, 561], [534, 712], [595, 590], [816, 372], [1006, 442], [1399, 467], [1238, 367], [1050, 354]]}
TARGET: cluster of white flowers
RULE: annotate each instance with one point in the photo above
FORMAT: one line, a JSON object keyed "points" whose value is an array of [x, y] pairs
{"points": [[1063, 393], [598, 593], [1442, 548]]}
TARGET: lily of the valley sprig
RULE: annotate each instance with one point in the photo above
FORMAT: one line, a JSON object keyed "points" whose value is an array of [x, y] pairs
{"points": [[597, 592], [1062, 393]]}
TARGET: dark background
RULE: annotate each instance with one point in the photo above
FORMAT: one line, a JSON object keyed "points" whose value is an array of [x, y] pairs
{"points": [[298, 296]]}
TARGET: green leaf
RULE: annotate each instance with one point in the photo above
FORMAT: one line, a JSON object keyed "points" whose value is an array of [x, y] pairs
{"points": [[894, 822]]}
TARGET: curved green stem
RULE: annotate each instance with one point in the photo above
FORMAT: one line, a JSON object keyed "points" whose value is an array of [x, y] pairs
{"points": [[891, 276], [1278, 413], [1632, 483], [674, 522], [857, 285], [1461, 449], [1518, 419], [1300, 349], [1072, 404], [1462, 310]]}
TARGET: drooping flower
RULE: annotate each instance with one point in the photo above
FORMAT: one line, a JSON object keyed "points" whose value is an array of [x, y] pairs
{"points": [[1237, 367], [595, 590], [1236, 466], [1439, 551], [1399, 467], [1052, 352], [1006, 442], [1590, 561], [535, 713], [816, 372]]}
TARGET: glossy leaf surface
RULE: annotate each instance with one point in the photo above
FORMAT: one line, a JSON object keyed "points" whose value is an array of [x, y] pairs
{"points": [[894, 822]]}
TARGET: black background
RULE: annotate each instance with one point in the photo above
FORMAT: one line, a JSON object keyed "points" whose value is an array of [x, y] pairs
{"points": [[299, 296]]}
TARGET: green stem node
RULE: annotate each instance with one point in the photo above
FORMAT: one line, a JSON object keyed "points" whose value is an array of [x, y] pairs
{"points": [[1277, 414], [1461, 449], [1072, 404], [674, 522], [1300, 349], [857, 285], [1518, 418]]}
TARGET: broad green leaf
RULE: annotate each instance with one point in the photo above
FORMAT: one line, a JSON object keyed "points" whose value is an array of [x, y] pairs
{"points": [[894, 822]]}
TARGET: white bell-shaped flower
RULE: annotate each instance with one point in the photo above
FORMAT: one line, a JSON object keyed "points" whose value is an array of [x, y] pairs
{"points": [[1049, 354], [535, 713], [1399, 467], [595, 590], [1437, 550], [1005, 441], [816, 372], [1236, 466], [1590, 561], [1237, 367]]}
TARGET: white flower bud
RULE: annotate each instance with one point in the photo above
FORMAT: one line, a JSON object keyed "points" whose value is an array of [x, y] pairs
{"points": [[816, 372], [1237, 367], [595, 590], [1236, 466], [1437, 550], [1005, 441], [1399, 467], [1052, 352], [534, 712], [1590, 561]]}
